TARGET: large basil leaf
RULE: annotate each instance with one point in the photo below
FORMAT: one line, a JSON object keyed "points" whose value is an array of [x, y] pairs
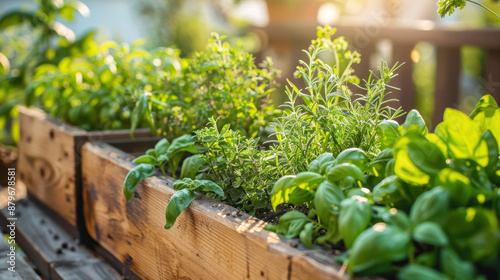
{"points": [[190, 166], [462, 137], [430, 233], [327, 201], [161, 147], [340, 172], [432, 206], [308, 180], [387, 242], [453, 266], [355, 214], [291, 224], [387, 191], [306, 235], [315, 165], [414, 120], [404, 166], [146, 159], [420, 272], [135, 176], [354, 156], [458, 186], [486, 103], [285, 191], [177, 203], [388, 133]]}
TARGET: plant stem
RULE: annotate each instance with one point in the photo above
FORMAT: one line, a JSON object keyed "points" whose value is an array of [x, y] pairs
{"points": [[484, 7]]}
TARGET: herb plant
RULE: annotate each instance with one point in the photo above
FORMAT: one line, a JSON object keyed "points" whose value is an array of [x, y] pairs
{"points": [[328, 122], [447, 7], [421, 209]]}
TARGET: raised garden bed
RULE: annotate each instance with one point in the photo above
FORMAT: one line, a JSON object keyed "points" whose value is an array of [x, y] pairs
{"points": [[210, 240], [50, 160]]}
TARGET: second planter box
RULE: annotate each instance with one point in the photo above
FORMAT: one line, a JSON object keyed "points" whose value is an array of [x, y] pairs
{"points": [[206, 242]]}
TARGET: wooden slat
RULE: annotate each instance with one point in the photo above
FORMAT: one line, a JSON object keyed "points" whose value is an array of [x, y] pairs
{"points": [[492, 73], [22, 269], [50, 161], [205, 243], [54, 252], [407, 32], [447, 81], [401, 53]]}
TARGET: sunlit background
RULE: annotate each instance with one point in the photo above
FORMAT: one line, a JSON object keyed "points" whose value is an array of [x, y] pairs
{"points": [[281, 28]]}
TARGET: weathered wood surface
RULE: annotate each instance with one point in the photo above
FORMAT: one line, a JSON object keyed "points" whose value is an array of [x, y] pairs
{"points": [[50, 160], [22, 269], [54, 252], [205, 243]]}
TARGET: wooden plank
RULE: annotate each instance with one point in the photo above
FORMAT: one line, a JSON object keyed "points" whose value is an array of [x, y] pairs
{"points": [[54, 252], [408, 32], [492, 73], [401, 53], [447, 81], [22, 269], [205, 243], [50, 161]]}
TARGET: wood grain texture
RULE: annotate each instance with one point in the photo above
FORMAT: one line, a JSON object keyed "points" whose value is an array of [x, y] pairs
{"points": [[53, 251], [22, 269], [205, 243], [50, 160]]}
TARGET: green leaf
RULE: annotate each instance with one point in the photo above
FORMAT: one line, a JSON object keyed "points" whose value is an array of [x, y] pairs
{"points": [[420, 272], [353, 156], [458, 186], [138, 113], [315, 165], [486, 103], [340, 172], [397, 218], [185, 183], [377, 166], [387, 242], [306, 235], [291, 224], [414, 121], [414, 157], [454, 267], [184, 143], [161, 147], [177, 203], [387, 191], [493, 149], [285, 191], [327, 201], [432, 206], [207, 185], [430, 233], [388, 133], [355, 214], [462, 137], [146, 159], [191, 165], [308, 181], [135, 176]]}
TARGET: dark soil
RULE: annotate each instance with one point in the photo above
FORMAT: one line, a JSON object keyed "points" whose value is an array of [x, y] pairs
{"points": [[8, 159]]}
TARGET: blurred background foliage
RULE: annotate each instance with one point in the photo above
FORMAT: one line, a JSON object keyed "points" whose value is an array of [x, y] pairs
{"points": [[42, 33]]}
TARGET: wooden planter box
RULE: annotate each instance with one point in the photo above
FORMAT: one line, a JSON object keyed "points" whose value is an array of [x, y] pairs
{"points": [[49, 160], [207, 242]]}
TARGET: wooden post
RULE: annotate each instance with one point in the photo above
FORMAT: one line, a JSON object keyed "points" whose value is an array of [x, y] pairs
{"points": [[492, 73], [447, 81], [401, 53]]}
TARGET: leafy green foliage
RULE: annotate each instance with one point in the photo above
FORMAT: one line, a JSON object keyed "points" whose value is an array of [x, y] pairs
{"points": [[431, 214], [334, 115], [29, 39]]}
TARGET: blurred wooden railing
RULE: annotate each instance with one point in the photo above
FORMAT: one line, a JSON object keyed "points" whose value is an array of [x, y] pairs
{"points": [[289, 39]]}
